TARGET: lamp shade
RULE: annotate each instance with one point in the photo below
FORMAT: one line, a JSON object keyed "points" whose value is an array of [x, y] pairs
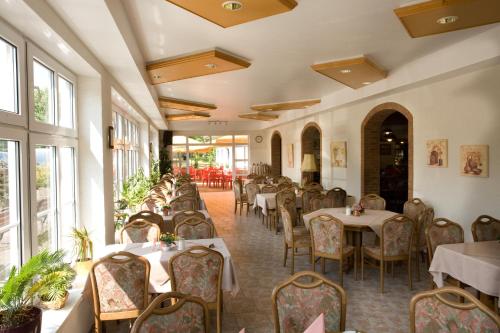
{"points": [[308, 163]]}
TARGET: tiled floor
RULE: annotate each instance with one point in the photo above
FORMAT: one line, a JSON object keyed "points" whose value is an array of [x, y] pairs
{"points": [[258, 257]]}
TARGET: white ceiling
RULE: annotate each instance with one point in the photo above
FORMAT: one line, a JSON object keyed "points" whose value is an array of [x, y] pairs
{"points": [[281, 48]]}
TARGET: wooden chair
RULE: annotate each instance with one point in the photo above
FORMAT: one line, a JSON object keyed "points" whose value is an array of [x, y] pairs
{"points": [[151, 202], [252, 190], [373, 201], [413, 208], [420, 248], [140, 231], [184, 215], [198, 271], [281, 197], [183, 203], [320, 201], [283, 186], [327, 242], [307, 195], [195, 228], [268, 189], [338, 197], [314, 186], [395, 245], [299, 300], [294, 238], [186, 314], [186, 189], [119, 287], [442, 231], [485, 228], [435, 311], [148, 216], [240, 198]]}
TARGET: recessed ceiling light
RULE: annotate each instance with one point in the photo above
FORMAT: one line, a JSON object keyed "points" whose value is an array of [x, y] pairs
{"points": [[345, 71], [447, 19], [232, 5], [211, 66], [367, 83]]}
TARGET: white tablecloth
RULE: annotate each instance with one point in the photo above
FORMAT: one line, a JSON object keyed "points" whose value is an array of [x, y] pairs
{"points": [[267, 201], [475, 264], [159, 279], [371, 218]]}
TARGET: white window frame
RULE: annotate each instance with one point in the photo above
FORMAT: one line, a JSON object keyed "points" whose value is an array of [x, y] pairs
{"points": [[58, 142], [34, 53], [20, 118]]}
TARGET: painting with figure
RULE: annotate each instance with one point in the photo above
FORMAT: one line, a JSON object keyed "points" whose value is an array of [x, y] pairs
{"points": [[474, 160], [437, 153], [290, 155], [338, 151]]}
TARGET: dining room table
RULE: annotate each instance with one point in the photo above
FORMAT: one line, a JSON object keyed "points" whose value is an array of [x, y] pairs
{"points": [[475, 264]]}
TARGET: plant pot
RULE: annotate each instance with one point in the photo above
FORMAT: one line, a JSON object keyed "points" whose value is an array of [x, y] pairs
{"points": [[33, 323], [56, 304], [167, 246], [83, 267]]}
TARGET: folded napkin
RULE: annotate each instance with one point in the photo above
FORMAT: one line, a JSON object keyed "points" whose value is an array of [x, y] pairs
{"points": [[318, 325]]}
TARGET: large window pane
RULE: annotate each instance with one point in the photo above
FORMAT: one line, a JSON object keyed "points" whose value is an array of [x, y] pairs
{"points": [[9, 207], [65, 102], [67, 195], [45, 197], [241, 152], [43, 93], [8, 77], [179, 139]]}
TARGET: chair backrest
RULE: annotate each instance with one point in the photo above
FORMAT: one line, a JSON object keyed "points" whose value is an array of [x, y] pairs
{"points": [[148, 216], [396, 236], [284, 179], [485, 228], [320, 201], [151, 202], [373, 201], [413, 208], [252, 190], [181, 216], [442, 231], [237, 188], [434, 311], [184, 202], [194, 228], [327, 236], [186, 189], [297, 302], [287, 222], [120, 285], [251, 176], [282, 196], [186, 314], [423, 221], [307, 195], [140, 231], [284, 185], [260, 180], [314, 186], [197, 271], [338, 197], [268, 189]]}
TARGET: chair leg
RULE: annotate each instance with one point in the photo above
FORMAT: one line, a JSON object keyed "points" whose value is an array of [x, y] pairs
{"points": [[241, 206], [341, 273], [409, 273], [313, 262], [293, 261], [235, 206], [392, 268], [355, 265], [98, 328], [323, 265], [382, 265], [285, 255], [362, 264], [417, 265], [219, 319]]}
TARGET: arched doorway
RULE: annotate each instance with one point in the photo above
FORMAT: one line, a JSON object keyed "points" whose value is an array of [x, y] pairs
{"points": [[276, 154], [311, 144], [387, 154]]}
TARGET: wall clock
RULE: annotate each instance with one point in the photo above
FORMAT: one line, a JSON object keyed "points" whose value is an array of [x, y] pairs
{"points": [[258, 139]]}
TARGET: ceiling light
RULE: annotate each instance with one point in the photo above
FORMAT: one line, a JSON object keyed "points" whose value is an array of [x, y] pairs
{"points": [[211, 66], [232, 5], [447, 19], [345, 71], [367, 83]]}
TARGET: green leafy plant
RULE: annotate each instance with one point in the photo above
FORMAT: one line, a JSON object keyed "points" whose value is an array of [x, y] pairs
{"points": [[44, 274], [83, 245], [135, 189], [168, 238]]}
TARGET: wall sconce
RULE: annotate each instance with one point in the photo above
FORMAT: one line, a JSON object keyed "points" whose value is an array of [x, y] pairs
{"points": [[111, 137]]}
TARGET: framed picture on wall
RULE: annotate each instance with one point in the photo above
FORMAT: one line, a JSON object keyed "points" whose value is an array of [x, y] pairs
{"points": [[290, 155], [474, 160], [437, 153], [338, 153]]}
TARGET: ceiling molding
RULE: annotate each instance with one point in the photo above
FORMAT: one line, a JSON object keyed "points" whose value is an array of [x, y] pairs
{"points": [[187, 116], [194, 65], [440, 16], [181, 104], [285, 106], [259, 116], [355, 73]]}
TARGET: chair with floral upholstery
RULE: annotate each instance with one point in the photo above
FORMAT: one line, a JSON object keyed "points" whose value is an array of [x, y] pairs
{"points": [[152, 201], [284, 186], [485, 228], [442, 231], [413, 208], [198, 271], [338, 197], [240, 198], [186, 189], [181, 216], [184, 202], [373, 201], [295, 238], [313, 186], [148, 216], [252, 189], [298, 301], [420, 248], [435, 311], [140, 231], [320, 201], [186, 314], [119, 287], [396, 236], [327, 241], [281, 197], [307, 195], [269, 189], [194, 228]]}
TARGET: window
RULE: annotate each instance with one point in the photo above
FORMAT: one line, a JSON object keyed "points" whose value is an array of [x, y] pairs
{"points": [[43, 93], [8, 77], [65, 102]]}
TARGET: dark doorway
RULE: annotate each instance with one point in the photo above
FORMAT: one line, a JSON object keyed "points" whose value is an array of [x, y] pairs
{"points": [[311, 144], [276, 154]]}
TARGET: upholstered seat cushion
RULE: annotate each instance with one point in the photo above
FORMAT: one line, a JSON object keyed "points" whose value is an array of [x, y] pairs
{"points": [[302, 241], [300, 231], [373, 251], [348, 249]]}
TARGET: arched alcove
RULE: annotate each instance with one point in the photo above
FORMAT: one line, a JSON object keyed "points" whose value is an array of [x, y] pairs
{"points": [[276, 154], [311, 144]]}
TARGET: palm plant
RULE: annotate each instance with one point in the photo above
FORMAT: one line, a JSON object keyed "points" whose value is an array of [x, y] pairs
{"points": [[83, 245]]}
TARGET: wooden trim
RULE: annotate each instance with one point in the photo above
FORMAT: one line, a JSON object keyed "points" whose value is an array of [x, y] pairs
{"points": [[284, 106], [182, 104], [198, 56], [258, 116], [187, 116]]}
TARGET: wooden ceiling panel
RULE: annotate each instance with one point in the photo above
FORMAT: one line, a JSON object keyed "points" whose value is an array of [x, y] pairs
{"points": [[200, 64], [258, 116], [180, 104], [285, 106], [354, 73], [213, 10], [187, 116], [422, 19]]}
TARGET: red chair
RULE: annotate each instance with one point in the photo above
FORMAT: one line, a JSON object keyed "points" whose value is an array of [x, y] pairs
{"points": [[204, 177]]}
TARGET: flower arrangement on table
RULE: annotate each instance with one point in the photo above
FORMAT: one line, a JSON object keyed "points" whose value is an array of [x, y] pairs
{"points": [[166, 208], [168, 239], [358, 209]]}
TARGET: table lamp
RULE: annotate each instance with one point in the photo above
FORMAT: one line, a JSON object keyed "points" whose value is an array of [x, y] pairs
{"points": [[308, 166]]}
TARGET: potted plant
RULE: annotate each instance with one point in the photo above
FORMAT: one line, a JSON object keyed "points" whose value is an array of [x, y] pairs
{"points": [[167, 240], [55, 282], [83, 250], [37, 276], [166, 209]]}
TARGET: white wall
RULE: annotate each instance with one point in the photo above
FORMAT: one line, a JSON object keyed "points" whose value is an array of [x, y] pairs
{"points": [[464, 109]]}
